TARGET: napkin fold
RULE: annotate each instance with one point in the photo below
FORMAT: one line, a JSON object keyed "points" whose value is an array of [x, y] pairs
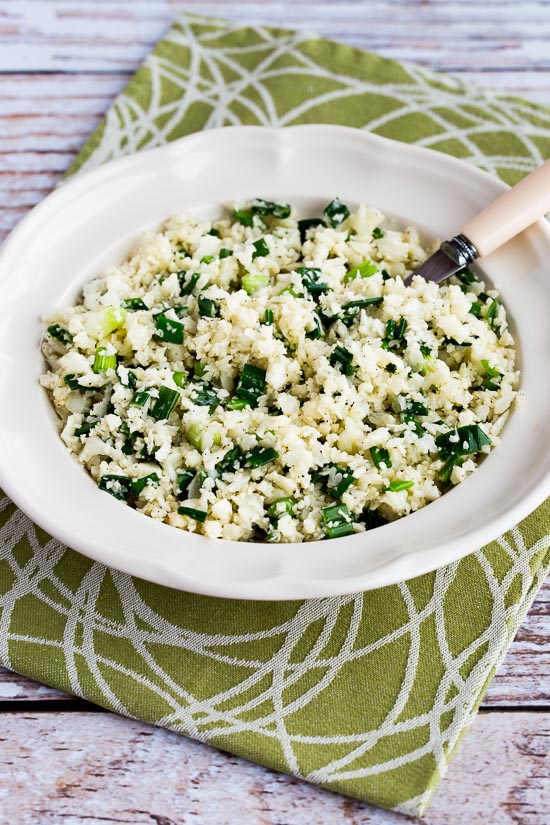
{"points": [[367, 694]]}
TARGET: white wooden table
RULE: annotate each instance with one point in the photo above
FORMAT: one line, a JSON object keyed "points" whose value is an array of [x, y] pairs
{"points": [[61, 63]]}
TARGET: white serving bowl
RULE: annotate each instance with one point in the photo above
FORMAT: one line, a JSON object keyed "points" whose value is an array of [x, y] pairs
{"points": [[93, 220]]}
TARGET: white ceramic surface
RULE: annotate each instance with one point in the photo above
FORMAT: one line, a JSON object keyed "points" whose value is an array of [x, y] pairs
{"points": [[93, 220]]}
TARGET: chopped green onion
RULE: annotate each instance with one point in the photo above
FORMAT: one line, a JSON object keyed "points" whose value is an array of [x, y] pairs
{"points": [[168, 330], [207, 259], [475, 309], [397, 486], [394, 333], [413, 408], [252, 283], [179, 379], [336, 212], [250, 387], [198, 515], [318, 330], [188, 286], [311, 279], [466, 277], [231, 461], [183, 253], [73, 384], [259, 456], [61, 334], [237, 404], [139, 398], [462, 441], [86, 427], [446, 471], [225, 253], [342, 357], [380, 456], [491, 314], [165, 403], [194, 435], [425, 350], [207, 307], [455, 343], [335, 480], [390, 368], [385, 275], [107, 321], [353, 308], [277, 210], [337, 521], [261, 249], [184, 480], [214, 232], [490, 372], [139, 484], [204, 395], [308, 223], [118, 486], [268, 317], [365, 270], [377, 233], [244, 216], [103, 361], [134, 304], [282, 507]]}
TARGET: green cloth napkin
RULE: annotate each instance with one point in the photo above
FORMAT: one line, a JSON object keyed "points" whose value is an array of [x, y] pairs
{"points": [[366, 694]]}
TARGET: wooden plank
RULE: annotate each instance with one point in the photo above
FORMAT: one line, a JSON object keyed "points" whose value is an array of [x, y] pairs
{"points": [[461, 36], [97, 768]]}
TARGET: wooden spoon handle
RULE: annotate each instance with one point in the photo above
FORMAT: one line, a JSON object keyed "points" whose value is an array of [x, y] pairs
{"points": [[510, 214]]}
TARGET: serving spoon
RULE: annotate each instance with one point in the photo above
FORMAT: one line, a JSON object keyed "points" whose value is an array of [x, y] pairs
{"points": [[509, 215]]}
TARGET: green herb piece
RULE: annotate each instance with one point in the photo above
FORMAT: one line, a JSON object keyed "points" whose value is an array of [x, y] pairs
{"points": [[207, 259], [342, 357], [413, 408], [490, 373], [491, 314], [337, 521], [282, 507], [165, 403], [179, 379], [268, 317], [425, 350], [308, 223], [139, 399], [395, 330], [208, 308], [204, 395], [312, 279], [445, 473], [225, 253], [483, 297], [466, 277], [118, 486], [86, 427], [134, 304], [214, 232], [191, 512], [103, 361], [352, 309], [462, 441], [277, 210], [188, 286], [250, 387], [336, 212], [139, 484], [397, 486], [385, 275], [61, 334], [259, 456], [73, 384], [377, 233], [231, 461], [169, 331], [261, 249], [475, 309], [194, 435], [108, 321], [318, 330], [252, 283], [390, 368], [244, 216], [365, 270], [455, 343], [380, 456], [334, 480], [184, 479], [183, 253]]}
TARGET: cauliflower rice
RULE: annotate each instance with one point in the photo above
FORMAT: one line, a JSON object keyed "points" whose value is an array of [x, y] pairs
{"points": [[263, 378]]}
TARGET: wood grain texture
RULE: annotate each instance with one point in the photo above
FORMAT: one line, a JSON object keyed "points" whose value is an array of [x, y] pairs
{"points": [[194, 783], [61, 64]]}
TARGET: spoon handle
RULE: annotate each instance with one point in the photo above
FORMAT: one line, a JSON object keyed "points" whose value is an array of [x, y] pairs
{"points": [[510, 214]]}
